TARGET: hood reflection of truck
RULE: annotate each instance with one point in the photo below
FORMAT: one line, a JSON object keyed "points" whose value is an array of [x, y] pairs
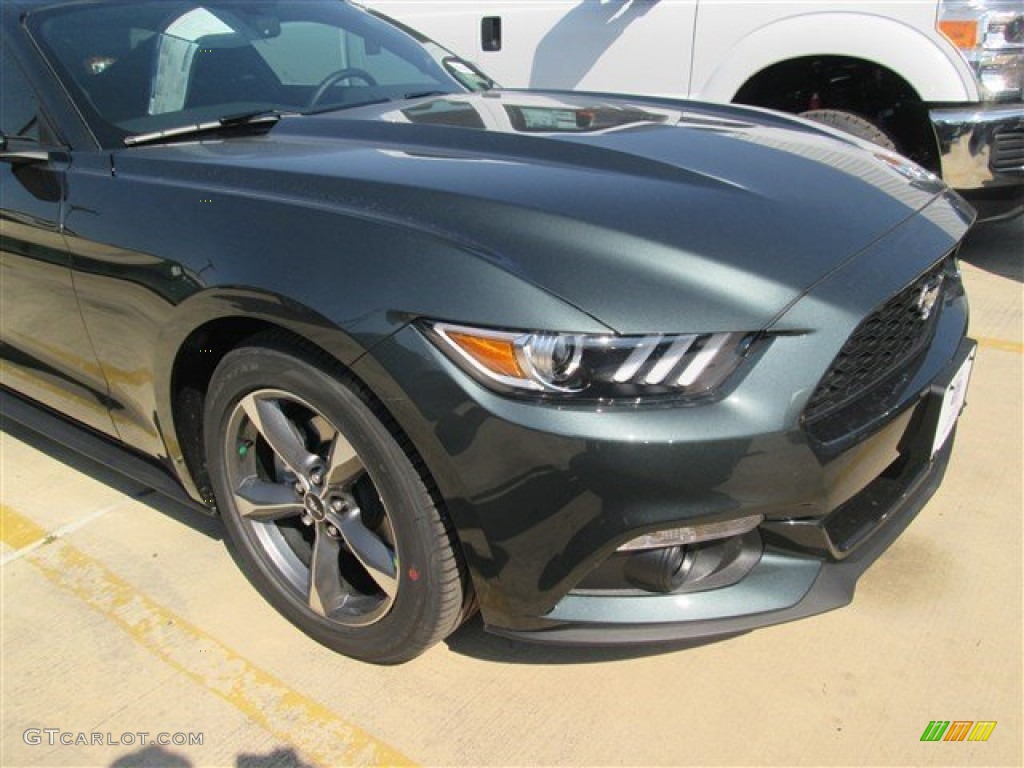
{"points": [[940, 81], [535, 113]]}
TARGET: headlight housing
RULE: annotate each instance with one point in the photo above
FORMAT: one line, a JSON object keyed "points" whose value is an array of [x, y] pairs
{"points": [[990, 36], [593, 367]]}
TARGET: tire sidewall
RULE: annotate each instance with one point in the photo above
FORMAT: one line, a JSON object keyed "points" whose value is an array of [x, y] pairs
{"points": [[853, 124], [404, 629]]}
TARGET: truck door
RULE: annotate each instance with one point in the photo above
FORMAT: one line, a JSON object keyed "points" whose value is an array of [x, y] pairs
{"points": [[625, 46]]}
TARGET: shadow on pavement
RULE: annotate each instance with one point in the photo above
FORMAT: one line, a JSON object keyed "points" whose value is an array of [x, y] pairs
{"points": [[279, 758], [151, 757], [471, 639], [155, 756], [110, 477], [997, 247]]}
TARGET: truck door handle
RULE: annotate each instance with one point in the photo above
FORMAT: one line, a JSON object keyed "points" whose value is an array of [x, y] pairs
{"points": [[490, 33]]}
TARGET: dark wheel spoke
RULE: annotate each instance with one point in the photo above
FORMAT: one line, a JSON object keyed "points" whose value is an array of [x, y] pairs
{"points": [[260, 500], [343, 465], [377, 558], [325, 592], [266, 415]]}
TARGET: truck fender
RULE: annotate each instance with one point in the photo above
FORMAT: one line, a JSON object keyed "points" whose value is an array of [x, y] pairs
{"points": [[931, 65]]}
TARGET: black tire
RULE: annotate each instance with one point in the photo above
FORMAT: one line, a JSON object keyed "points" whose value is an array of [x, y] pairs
{"points": [[399, 587], [851, 123]]}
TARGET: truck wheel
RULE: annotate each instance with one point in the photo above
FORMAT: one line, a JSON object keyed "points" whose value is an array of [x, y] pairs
{"points": [[853, 124]]}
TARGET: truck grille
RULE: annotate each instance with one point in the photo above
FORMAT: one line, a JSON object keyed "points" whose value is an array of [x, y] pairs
{"points": [[865, 374], [1007, 151]]}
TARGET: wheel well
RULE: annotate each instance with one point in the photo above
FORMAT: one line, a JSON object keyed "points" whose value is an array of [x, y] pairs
{"points": [[193, 368], [853, 85], [203, 351]]}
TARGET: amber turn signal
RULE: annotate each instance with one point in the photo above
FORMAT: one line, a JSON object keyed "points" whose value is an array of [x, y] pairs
{"points": [[962, 34], [496, 355]]}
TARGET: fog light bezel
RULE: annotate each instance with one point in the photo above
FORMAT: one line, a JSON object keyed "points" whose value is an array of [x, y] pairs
{"points": [[680, 536]]}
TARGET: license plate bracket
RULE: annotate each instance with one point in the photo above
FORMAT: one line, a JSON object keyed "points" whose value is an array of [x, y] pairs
{"points": [[953, 392]]}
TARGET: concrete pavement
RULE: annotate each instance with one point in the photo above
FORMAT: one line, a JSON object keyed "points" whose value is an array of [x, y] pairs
{"points": [[124, 614]]}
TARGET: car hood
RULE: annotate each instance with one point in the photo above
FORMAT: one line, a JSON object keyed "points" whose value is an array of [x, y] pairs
{"points": [[649, 215]]}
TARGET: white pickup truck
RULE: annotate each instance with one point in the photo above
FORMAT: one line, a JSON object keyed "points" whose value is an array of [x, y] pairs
{"points": [[939, 80]]}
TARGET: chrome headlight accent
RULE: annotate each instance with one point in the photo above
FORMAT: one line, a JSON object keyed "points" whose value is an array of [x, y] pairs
{"points": [[908, 169], [990, 36], [593, 367], [552, 359]]}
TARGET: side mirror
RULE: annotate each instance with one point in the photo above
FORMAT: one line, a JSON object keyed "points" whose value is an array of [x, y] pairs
{"points": [[468, 74], [18, 151]]}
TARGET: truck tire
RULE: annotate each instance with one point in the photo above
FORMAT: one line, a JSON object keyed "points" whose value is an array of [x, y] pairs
{"points": [[851, 123]]}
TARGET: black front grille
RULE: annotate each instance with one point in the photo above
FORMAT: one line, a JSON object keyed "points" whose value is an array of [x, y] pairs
{"points": [[1007, 151], [866, 373]]}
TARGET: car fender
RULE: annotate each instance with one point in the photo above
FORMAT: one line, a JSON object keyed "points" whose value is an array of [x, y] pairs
{"points": [[244, 288]]}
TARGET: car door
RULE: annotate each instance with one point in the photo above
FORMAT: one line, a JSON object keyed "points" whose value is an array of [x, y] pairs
{"points": [[620, 46], [45, 351]]}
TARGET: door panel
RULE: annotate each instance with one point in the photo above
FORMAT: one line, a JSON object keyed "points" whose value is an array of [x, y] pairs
{"points": [[127, 294], [620, 46], [45, 352]]}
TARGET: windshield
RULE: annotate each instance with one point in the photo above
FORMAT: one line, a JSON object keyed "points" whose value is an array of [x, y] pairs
{"points": [[136, 67]]}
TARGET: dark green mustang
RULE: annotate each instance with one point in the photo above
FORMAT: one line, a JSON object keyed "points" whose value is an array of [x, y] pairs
{"points": [[605, 369]]}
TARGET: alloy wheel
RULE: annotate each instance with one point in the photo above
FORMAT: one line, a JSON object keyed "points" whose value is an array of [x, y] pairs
{"points": [[306, 500]]}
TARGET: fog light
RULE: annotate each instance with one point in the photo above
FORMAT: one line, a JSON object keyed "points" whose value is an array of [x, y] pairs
{"points": [[691, 534], [657, 570]]}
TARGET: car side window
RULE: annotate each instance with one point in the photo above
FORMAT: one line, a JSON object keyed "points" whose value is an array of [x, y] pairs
{"points": [[19, 107]]}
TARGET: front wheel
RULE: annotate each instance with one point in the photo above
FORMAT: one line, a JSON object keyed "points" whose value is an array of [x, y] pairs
{"points": [[330, 518], [853, 124]]}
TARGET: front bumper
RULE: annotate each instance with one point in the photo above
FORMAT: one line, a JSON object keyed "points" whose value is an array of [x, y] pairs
{"points": [[982, 154], [799, 573], [541, 496]]}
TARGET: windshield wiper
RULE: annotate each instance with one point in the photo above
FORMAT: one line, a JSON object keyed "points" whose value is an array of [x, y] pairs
{"points": [[372, 102], [343, 107], [263, 116], [424, 94]]}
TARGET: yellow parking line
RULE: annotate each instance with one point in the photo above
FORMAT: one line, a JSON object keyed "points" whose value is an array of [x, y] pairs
{"points": [[18, 532], [1001, 344], [293, 718], [30, 536]]}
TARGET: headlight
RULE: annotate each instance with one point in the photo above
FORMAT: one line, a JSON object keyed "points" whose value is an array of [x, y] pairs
{"points": [[990, 35], [593, 367]]}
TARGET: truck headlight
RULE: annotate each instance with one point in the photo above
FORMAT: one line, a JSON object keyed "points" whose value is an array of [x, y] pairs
{"points": [[990, 36], [593, 367]]}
